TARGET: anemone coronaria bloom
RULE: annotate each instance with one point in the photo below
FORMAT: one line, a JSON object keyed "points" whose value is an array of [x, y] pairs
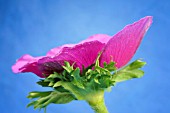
{"points": [[119, 48]]}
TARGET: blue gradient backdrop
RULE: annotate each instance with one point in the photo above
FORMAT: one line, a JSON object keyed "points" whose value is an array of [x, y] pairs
{"points": [[36, 26]]}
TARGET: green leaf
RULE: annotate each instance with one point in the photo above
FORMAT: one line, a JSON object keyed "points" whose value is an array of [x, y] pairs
{"points": [[96, 80], [60, 89], [67, 67], [53, 76], [43, 83], [78, 80], [53, 97], [130, 71], [79, 93], [86, 69], [110, 67], [135, 65], [36, 94]]}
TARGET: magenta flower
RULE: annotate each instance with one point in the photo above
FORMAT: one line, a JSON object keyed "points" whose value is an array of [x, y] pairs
{"points": [[119, 48]]}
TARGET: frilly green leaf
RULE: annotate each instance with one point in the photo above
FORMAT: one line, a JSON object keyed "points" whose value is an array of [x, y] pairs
{"points": [[72, 84], [46, 98], [130, 71]]}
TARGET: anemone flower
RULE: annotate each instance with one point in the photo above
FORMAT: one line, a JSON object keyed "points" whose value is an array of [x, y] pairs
{"points": [[107, 53], [119, 48]]}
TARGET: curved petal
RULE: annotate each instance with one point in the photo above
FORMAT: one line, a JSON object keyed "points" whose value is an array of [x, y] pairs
{"points": [[56, 50], [49, 65], [122, 46], [103, 38], [83, 54], [27, 63]]}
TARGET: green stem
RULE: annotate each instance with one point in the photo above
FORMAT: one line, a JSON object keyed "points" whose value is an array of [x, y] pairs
{"points": [[96, 101]]}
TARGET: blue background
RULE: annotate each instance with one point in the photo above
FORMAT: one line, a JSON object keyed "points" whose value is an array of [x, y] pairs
{"points": [[36, 26]]}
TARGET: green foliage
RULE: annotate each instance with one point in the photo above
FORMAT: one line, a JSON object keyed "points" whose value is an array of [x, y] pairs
{"points": [[130, 71], [45, 98], [73, 84]]}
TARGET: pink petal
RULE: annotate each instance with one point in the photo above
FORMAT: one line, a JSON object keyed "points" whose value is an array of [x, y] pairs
{"points": [[56, 50], [49, 65], [27, 63], [83, 54], [122, 46], [103, 38]]}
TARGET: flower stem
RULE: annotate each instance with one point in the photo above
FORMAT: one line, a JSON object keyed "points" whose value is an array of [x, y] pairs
{"points": [[96, 101]]}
